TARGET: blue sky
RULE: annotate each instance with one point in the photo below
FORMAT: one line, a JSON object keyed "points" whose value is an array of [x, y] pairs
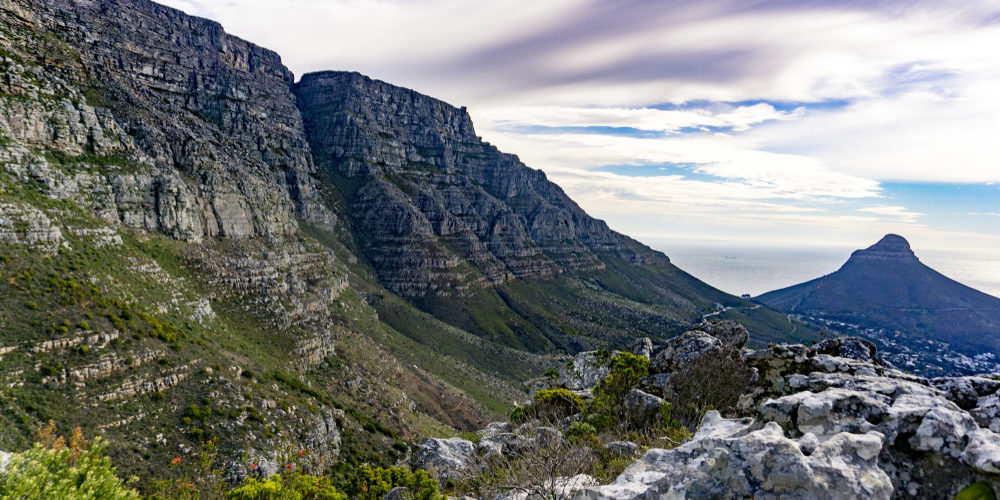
{"points": [[800, 123]]}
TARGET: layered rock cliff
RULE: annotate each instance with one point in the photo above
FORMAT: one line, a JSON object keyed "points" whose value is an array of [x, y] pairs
{"points": [[437, 208], [206, 122]]}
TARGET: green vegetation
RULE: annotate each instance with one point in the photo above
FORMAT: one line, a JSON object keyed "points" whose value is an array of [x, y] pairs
{"points": [[55, 467], [374, 483], [976, 491], [277, 487]]}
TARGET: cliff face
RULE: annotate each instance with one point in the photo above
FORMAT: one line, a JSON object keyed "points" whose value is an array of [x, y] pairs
{"points": [[437, 209], [209, 117]]}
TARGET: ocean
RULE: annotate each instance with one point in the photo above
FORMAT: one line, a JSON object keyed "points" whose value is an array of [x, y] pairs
{"points": [[755, 270]]}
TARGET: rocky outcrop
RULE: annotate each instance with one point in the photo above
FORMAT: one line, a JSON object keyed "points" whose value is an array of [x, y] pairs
{"points": [[728, 332], [827, 421], [734, 459], [440, 209], [451, 458], [683, 349], [24, 225], [585, 370], [930, 444], [642, 408]]}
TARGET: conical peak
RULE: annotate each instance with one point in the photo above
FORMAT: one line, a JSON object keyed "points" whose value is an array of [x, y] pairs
{"points": [[892, 247]]}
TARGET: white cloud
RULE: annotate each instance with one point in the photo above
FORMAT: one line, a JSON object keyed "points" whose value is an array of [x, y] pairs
{"points": [[902, 213], [738, 118]]}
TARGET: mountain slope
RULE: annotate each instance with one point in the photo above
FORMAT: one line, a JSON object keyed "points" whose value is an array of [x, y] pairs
{"points": [[176, 264], [886, 286], [475, 237], [170, 272]]}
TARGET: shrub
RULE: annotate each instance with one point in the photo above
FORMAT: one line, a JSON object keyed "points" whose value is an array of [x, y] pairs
{"points": [[277, 487], [626, 370], [578, 431], [520, 414], [557, 403], [374, 483], [59, 468], [714, 380]]}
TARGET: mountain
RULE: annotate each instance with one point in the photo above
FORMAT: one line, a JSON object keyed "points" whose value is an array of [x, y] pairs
{"points": [[192, 246], [478, 239], [885, 286]]}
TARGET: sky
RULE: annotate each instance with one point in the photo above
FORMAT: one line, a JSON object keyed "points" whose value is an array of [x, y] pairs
{"points": [[784, 124]]}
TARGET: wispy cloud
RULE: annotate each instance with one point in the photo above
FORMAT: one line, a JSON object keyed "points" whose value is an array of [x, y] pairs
{"points": [[901, 213]]}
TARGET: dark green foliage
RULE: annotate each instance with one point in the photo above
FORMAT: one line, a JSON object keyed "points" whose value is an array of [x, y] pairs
{"points": [[626, 369], [369, 483], [580, 430], [557, 403], [976, 491]]}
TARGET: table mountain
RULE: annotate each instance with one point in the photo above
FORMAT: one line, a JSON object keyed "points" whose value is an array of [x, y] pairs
{"points": [[192, 246], [886, 286]]}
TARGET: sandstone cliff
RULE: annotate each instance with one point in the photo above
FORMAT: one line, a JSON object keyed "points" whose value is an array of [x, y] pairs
{"points": [[436, 207]]}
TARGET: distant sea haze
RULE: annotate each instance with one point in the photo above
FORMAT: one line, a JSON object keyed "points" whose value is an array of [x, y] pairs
{"points": [[755, 270]]}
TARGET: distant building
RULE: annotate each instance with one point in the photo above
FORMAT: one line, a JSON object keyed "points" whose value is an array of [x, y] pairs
{"points": [[745, 296]]}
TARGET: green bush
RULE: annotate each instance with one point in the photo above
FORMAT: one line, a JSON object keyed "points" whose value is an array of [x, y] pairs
{"points": [[277, 487], [580, 430], [521, 414], [55, 468], [374, 483], [626, 370], [557, 403], [976, 491]]}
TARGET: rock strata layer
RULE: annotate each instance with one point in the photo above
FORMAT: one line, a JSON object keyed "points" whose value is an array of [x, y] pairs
{"points": [[437, 208]]}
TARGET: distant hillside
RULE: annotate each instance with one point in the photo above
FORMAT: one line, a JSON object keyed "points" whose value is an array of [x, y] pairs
{"points": [[886, 286]]}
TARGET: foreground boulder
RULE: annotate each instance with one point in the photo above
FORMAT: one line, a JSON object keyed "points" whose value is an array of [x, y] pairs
{"points": [[932, 447], [444, 459], [828, 421], [727, 331], [730, 459]]}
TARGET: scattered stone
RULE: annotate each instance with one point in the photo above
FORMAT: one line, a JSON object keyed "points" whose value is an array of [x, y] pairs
{"points": [[501, 445], [642, 408], [587, 369], [494, 428], [642, 347], [847, 347]]}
